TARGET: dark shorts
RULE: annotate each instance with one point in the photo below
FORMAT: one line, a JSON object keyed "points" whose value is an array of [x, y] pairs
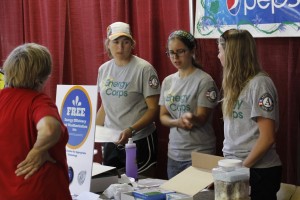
{"points": [[115, 156], [265, 183]]}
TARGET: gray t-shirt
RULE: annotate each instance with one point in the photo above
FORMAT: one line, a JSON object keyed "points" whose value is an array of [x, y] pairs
{"points": [[123, 91], [258, 99], [180, 95]]}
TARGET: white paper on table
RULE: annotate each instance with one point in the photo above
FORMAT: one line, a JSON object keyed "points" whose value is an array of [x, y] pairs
{"points": [[99, 169], [150, 182], [87, 196], [104, 134]]}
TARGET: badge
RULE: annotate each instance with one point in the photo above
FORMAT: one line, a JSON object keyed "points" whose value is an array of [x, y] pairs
{"points": [[153, 82], [211, 94], [266, 102], [71, 174], [81, 177]]}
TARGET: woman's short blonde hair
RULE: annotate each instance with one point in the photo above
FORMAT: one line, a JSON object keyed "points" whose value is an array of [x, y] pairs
{"points": [[27, 66]]}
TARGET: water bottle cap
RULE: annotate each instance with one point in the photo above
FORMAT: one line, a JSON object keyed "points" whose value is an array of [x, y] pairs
{"points": [[130, 141]]}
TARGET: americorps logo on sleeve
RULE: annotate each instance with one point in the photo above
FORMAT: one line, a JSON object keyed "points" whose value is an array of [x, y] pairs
{"points": [[266, 102], [76, 115]]}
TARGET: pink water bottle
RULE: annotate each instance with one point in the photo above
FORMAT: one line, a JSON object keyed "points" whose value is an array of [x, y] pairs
{"points": [[131, 165]]}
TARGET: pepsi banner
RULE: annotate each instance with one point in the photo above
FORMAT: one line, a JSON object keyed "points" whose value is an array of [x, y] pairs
{"points": [[263, 18]]}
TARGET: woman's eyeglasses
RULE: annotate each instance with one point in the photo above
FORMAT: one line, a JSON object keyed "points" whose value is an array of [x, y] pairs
{"points": [[178, 53]]}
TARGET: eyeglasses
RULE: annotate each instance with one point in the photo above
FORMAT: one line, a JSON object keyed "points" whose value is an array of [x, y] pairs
{"points": [[178, 53]]}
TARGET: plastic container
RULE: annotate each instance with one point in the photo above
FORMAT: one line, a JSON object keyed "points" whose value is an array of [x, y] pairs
{"points": [[231, 180], [131, 165]]}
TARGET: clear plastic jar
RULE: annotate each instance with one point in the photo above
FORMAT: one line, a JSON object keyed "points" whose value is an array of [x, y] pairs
{"points": [[231, 180]]}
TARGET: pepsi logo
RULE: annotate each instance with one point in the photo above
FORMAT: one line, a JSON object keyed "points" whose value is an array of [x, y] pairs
{"points": [[233, 6]]}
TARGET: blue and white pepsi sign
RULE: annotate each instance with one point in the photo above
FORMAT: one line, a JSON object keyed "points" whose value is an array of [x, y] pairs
{"points": [[76, 115], [263, 18]]}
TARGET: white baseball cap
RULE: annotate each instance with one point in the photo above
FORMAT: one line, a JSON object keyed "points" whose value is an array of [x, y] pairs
{"points": [[118, 29]]}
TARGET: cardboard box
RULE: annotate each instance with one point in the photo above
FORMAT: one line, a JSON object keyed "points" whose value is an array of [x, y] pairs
{"points": [[103, 177], [194, 179]]}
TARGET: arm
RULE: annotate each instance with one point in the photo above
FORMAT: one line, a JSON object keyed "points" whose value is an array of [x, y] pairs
{"points": [[167, 120], [187, 120], [148, 117], [49, 131], [199, 118], [265, 140], [100, 116]]}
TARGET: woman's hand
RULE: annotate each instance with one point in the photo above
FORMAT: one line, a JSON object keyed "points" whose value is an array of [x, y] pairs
{"points": [[185, 121], [190, 120], [48, 134], [266, 139], [33, 162], [125, 134]]}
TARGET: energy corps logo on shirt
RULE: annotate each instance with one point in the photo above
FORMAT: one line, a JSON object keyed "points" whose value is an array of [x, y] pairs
{"points": [[115, 88], [178, 102], [76, 115], [237, 111]]}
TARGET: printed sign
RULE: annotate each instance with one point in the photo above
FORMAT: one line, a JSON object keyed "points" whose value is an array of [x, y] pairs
{"points": [[76, 114], [77, 105], [263, 18]]}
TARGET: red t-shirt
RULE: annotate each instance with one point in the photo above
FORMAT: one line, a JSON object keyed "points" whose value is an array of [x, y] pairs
{"points": [[20, 111]]}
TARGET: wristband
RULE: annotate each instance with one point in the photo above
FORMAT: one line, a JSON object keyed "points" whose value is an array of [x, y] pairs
{"points": [[132, 130]]}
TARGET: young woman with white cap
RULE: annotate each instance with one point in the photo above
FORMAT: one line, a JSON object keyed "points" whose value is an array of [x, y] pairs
{"points": [[129, 89]]}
